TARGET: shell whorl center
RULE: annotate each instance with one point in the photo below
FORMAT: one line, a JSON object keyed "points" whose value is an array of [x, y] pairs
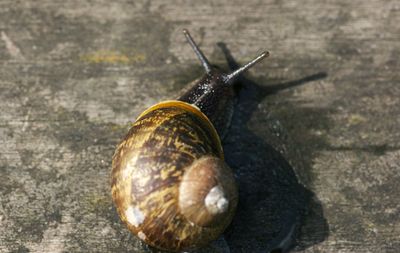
{"points": [[216, 201], [208, 193]]}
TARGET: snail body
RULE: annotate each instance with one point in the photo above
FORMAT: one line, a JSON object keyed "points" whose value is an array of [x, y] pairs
{"points": [[170, 183]]}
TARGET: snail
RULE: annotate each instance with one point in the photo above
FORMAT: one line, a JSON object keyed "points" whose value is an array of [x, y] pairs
{"points": [[169, 181]]}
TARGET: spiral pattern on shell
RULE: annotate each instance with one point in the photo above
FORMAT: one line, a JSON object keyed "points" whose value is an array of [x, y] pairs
{"points": [[170, 184]]}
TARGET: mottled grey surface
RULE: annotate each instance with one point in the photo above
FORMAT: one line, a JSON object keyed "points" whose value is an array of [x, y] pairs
{"points": [[325, 107]]}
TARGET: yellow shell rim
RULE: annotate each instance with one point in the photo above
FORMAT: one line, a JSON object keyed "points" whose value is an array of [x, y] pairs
{"points": [[189, 108]]}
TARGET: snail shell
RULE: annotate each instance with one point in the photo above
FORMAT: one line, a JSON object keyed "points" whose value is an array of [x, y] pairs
{"points": [[169, 181]]}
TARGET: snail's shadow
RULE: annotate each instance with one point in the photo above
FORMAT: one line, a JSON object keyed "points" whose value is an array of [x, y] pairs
{"points": [[273, 204]]}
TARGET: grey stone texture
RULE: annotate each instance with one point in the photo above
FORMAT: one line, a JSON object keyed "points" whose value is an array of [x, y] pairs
{"points": [[314, 142]]}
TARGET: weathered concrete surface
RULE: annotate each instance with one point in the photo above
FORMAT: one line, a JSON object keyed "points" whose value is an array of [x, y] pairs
{"points": [[73, 75]]}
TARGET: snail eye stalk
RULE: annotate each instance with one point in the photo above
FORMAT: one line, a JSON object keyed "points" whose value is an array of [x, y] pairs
{"points": [[237, 72], [198, 52]]}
